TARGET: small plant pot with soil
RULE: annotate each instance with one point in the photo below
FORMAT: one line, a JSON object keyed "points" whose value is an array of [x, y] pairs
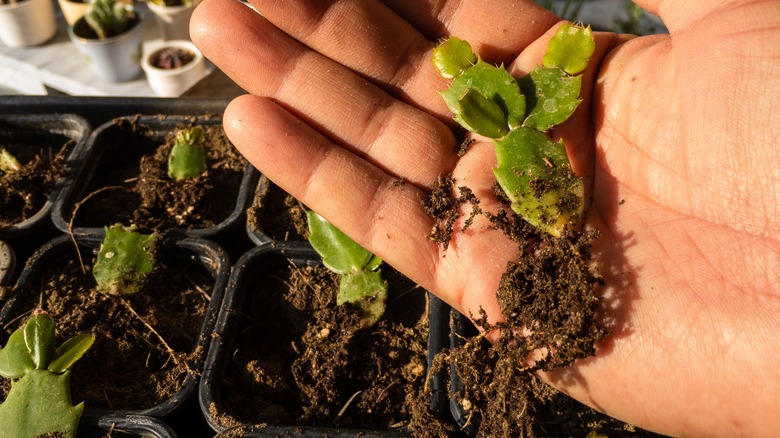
{"points": [[110, 35], [25, 23], [172, 67], [37, 153], [126, 180], [276, 217], [287, 359], [173, 17], [149, 346], [72, 10]]}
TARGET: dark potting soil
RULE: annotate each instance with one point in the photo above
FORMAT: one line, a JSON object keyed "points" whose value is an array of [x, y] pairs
{"points": [[143, 343], [23, 193], [127, 192], [551, 292], [277, 214], [302, 360]]}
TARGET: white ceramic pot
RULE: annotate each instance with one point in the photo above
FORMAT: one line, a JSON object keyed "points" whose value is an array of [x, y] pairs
{"points": [[73, 10], [114, 59], [173, 82], [173, 21], [27, 23]]}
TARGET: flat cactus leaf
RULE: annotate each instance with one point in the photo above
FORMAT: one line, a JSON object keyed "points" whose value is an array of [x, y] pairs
{"points": [[187, 158], [124, 261], [39, 339], [367, 291], [15, 358], [482, 114], [39, 404], [339, 252], [452, 57], [570, 49], [536, 175], [492, 82], [69, 352], [552, 96]]}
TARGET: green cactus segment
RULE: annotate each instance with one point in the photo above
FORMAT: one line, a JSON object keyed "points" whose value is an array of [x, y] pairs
{"points": [[482, 114], [39, 402], [361, 281], [493, 83], [570, 49], [552, 95], [15, 358], [368, 291], [8, 162], [536, 175], [108, 18], [125, 259], [187, 158], [453, 57]]}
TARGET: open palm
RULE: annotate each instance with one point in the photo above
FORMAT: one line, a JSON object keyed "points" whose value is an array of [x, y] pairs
{"points": [[676, 138]]}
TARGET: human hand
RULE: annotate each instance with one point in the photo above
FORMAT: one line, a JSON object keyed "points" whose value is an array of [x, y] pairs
{"points": [[681, 127]]}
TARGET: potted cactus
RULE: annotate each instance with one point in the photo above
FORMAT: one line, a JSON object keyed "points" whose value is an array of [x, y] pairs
{"points": [[173, 67], [25, 23], [173, 17], [110, 35], [72, 10]]}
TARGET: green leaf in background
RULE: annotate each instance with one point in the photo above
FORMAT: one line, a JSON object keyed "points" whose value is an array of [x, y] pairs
{"points": [[535, 174], [452, 57], [368, 291], [494, 83], [8, 162], [339, 252], [552, 96], [570, 49]]}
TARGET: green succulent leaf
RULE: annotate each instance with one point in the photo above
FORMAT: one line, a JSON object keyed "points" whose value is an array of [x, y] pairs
{"points": [[552, 96], [187, 158], [493, 83], [15, 358], [124, 261], [366, 290], [482, 114], [39, 404], [39, 339], [570, 49], [339, 252], [8, 162], [69, 352], [452, 57], [536, 175]]}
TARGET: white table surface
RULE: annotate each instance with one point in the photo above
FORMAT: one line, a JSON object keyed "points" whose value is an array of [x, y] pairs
{"points": [[59, 65]]}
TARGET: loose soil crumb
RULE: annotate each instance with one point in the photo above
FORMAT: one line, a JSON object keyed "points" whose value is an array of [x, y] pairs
{"points": [[301, 360], [277, 214], [446, 209], [128, 366], [24, 192]]}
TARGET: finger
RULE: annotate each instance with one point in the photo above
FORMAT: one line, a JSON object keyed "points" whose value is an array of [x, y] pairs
{"points": [[376, 209], [370, 39], [498, 31], [404, 141]]}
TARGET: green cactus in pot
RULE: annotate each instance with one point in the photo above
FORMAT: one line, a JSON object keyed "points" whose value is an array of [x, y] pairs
{"points": [[107, 18], [124, 261]]}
